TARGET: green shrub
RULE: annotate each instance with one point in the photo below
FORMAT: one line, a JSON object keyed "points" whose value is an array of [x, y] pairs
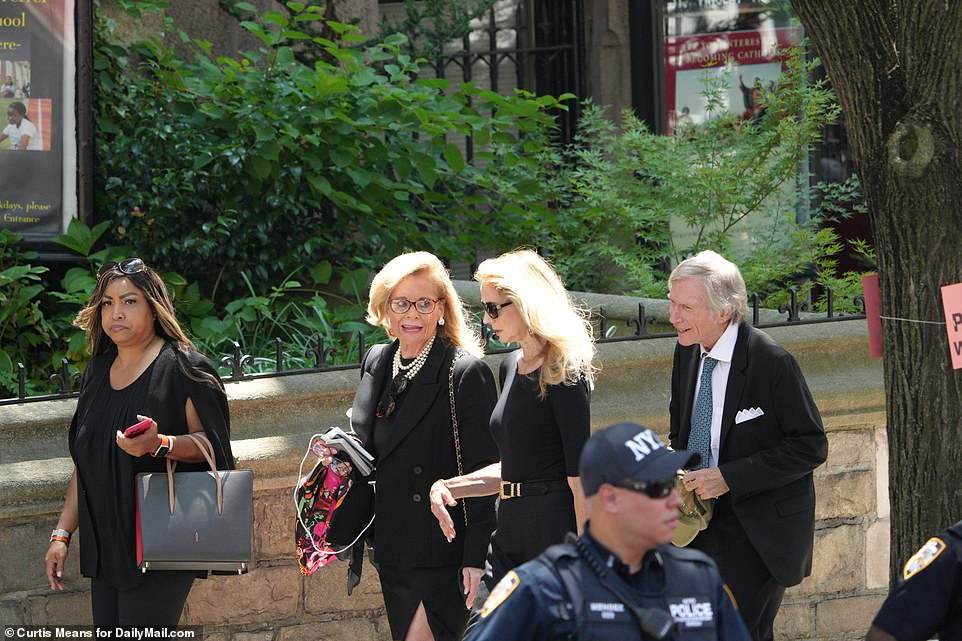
{"points": [[225, 168], [635, 203]]}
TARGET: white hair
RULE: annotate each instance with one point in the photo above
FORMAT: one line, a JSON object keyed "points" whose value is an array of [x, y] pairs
{"points": [[724, 285]]}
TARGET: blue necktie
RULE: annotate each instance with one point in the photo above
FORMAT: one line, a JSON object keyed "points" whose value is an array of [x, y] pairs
{"points": [[700, 438]]}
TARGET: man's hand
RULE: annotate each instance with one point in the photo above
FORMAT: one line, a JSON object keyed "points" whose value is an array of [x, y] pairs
{"points": [[707, 483]]}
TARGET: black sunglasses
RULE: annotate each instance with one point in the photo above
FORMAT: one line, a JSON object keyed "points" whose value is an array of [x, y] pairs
{"points": [[493, 309], [651, 489], [128, 267], [388, 402]]}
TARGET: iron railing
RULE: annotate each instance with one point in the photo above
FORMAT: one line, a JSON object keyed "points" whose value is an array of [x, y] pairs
{"points": [[64, 382], [537, 45]]}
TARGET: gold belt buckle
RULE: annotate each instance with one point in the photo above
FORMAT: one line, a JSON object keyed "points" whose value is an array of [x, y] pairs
{"points": [[510, 490]]}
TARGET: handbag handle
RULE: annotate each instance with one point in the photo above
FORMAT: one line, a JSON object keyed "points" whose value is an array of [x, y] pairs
{"points": [[203, 444], [454, 425]]}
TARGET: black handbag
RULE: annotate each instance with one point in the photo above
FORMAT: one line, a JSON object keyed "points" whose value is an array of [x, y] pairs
{"points": [[199, 521], [354, 515]]}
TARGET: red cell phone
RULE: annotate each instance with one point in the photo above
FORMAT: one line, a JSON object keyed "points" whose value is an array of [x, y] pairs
{"points": [[138, 429]]}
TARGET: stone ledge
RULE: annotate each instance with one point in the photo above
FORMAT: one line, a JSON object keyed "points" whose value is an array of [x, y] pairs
{"points": [[273, 418]]}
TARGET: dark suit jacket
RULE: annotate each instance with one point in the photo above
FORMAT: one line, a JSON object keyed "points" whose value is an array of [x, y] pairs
{"points": [[767, 461], [420, 450]]}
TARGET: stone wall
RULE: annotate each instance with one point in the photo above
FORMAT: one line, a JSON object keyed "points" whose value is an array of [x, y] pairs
{"points": [[273, 419]]}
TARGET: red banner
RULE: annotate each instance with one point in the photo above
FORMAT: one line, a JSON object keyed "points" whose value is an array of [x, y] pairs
{"points": [[753, 61]]}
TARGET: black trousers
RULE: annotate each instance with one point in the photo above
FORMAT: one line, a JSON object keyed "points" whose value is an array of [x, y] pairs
{"points": [[157, 602], [757, 594]]}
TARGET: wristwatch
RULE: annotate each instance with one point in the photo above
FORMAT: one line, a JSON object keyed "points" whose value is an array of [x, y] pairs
{"points": [[164, 448]]}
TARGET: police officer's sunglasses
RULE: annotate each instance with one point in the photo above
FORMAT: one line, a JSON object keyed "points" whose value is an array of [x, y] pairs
{"points": [[651, 489]]}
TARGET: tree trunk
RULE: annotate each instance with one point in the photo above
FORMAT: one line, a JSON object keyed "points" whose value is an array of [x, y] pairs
{"points": [[896, 66]]}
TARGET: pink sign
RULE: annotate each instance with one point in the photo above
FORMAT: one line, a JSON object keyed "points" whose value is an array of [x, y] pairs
{"points": [[952, 304], [873, 314]]}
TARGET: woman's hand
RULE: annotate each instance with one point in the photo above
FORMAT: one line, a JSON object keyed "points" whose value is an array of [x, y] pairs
{"points": [[440, 498], [323, 452], [142, 444], [54, 562], [472, 579]]}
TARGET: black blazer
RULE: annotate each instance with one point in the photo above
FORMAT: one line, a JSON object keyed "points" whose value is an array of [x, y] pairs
{"points": [[420, 450], [767, 461]]}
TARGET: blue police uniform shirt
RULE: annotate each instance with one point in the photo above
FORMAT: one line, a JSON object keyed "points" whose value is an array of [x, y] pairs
{"points": [[928, 596], [532, 604]]}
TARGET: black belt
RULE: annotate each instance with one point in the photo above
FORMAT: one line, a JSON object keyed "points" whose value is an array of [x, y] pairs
{"points": [[513, 490]]}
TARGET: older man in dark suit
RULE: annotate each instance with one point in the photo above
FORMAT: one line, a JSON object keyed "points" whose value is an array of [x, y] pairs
{"points": [[741, 400]]}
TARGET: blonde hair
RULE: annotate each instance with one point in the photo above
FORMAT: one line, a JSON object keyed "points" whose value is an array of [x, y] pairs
{"points": [[530, 283], [422, 263]]}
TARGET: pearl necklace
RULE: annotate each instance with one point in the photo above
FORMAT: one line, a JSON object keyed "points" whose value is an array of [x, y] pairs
{"points": [[414, 366]]}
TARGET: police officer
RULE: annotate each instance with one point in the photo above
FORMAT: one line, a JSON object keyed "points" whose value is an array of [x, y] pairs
{"points": [[927, 599], [621, 580]]}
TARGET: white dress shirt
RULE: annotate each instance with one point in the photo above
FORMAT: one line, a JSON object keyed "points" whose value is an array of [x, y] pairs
{"points": [[721, 352]]}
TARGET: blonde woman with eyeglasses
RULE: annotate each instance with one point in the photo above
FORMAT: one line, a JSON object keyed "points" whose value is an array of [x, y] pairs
{"points": [[542, 419], [402, 415]]}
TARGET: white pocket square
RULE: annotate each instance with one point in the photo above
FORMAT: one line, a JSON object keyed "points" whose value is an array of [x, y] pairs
{"points": [[747, 415]]}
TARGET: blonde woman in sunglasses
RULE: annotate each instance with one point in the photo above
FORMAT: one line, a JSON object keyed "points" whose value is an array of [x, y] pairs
{"points": [[542, 419]]}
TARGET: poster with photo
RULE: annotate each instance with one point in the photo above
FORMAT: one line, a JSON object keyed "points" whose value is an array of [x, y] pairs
{"points": [[37, 135], [751, 60]]}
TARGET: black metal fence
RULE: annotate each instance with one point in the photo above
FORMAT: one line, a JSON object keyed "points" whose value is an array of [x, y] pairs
{"points": [[63, 383], [536, 45]]}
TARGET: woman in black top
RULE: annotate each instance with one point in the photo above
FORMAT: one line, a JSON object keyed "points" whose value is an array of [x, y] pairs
{"points": [[542, 418], [143, 366], [402, 414]]}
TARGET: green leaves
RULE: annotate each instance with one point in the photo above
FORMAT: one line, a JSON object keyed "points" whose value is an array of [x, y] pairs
{"points": [[81, 238], [262, 162]]}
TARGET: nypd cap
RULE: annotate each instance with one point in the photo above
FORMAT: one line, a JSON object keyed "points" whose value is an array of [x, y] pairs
{"points": [[629, 451]]}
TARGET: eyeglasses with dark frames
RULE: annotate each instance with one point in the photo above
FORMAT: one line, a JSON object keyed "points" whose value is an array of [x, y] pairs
{"points": [[388, 402], [423, 305], [493, 309], [651, 489], [128, 267]]}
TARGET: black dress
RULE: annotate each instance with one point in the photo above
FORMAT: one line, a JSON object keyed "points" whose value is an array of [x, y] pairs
{"points": [[539, 440], [106, 474]]}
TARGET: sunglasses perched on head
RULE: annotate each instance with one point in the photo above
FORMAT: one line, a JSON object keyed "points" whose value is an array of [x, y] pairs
{"points": [[388, 402], [128, 267], [423, 305], [493, 309], [651, 489]]}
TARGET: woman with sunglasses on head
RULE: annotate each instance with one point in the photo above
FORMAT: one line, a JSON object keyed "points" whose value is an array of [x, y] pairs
{"points": [[402, 415], [542, 419], [142, 367]]}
